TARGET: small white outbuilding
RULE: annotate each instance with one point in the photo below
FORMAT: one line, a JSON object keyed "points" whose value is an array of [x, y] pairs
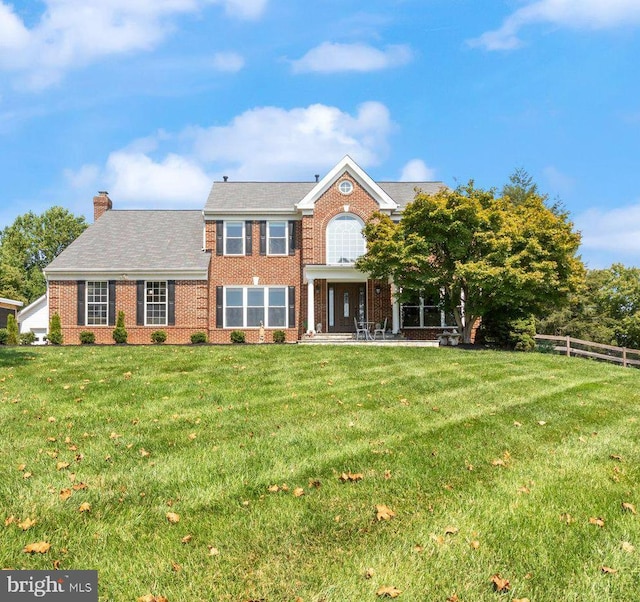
{"points": [[35, 318]]}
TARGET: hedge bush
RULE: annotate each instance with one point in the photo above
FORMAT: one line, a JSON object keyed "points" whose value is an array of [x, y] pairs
{"points": [[120, 332], [87, 338], [197, 338], [27, 338], [158, 337], [279, 336], [55, 330], [4, 335], [237, 336]]}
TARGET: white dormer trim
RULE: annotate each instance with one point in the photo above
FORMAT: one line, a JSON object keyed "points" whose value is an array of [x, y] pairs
{"points": [[348, 165]]}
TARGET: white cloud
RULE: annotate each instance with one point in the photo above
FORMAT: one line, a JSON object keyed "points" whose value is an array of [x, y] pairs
{"points": [[266, 143], [229, 62], [616, 230], [417, 170], [575, 14], [73, 33], [332, 58], [270, 142]]}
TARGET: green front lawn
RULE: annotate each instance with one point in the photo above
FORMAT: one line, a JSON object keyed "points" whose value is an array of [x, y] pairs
{"points": [[505, 464]]}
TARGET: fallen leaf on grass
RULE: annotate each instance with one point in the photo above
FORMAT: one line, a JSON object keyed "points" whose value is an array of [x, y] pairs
{"points": [[451, 530], [498, 462], [388, 592], [541, 422], [26, 475], [629, 507], [627, 547], [500, 584], [39, 547], [475, 544], [9, 520], [616, 457], [315, 483], [62, 465], [384, 512], [175, 567], [351, 477], [152, 598], [607, 570], [173, 518], [453, 598], [369, 573], [65, 494], [144, 453], [85, 507], [187, 538], [26, 524], [596, 521], [213, 551], [298, 492], [21, 467], [567, 518], [520, 600]]}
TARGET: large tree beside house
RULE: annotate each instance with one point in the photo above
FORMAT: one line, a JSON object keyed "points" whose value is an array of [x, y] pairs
{"points": [[30, 244], [481, 253]]}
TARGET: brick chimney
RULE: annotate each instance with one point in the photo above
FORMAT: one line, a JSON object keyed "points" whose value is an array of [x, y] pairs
{"points": [[101, 203]]}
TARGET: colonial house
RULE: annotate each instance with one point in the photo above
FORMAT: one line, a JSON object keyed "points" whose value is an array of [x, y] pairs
{"points": [[260, 257]]}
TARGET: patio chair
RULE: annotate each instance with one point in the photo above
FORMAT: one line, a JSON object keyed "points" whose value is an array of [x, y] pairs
{"points": [[361, 329], [380, 329]]}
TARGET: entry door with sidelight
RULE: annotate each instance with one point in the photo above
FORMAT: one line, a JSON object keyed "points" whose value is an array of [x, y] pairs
{"points": [[347, 301]]}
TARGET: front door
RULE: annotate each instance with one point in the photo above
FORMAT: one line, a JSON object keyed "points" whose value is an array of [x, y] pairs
{"points": [[347, 303]]}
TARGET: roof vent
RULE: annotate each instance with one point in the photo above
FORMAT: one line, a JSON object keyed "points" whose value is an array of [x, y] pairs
{"points": [[317, 177], [225, 178]]}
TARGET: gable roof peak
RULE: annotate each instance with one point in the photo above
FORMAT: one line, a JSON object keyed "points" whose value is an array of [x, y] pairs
{"points": [[347, 164]]}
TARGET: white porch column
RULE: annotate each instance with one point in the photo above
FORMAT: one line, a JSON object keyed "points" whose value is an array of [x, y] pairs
{"points": [[311, 315], [395, 315]]}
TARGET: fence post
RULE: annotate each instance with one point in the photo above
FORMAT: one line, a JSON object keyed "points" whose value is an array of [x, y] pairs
{"points": [[624, 357], [568, 346]]}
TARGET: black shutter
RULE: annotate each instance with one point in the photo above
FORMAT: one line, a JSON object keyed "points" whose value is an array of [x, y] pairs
{"points": [[263, 238], [81, 293], [292, 307], [219, 238], [171, 303], [111, 319], [292, 238], [248, 238], [140, 302], [219, 308]]}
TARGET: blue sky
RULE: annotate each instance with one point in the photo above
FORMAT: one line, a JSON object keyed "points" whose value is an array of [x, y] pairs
{"points": [[152, 100]]}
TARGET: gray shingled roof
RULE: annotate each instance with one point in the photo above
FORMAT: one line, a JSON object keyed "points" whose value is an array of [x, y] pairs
{"points": [[282, 196], [143, 241]]}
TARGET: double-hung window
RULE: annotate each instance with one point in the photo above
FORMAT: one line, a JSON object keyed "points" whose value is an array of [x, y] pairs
{"points": [[156, 303], [97, 303], [234, 238], [277, 236], [248, 307]]}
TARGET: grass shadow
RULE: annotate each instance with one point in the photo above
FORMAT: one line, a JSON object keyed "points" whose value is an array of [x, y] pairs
{"points": [[12, 356]]}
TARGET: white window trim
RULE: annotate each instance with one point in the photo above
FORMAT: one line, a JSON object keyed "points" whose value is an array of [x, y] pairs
{"points": [[243, 238], [350, 186], [86, 302], [286, 237], [265, 306], [166, 303]]}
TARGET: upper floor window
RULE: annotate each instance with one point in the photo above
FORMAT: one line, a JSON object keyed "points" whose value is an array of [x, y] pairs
{"points": [[234, 238], [156, 303], [345, 242], [97, 303], [277, 238]]}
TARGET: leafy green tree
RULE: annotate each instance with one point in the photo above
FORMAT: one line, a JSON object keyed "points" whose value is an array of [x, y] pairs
{"points": [[605, 310], [494, 254], [30, 244]]}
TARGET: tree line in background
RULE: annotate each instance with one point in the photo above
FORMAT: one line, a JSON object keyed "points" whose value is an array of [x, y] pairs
{"points": [[28, 245]]}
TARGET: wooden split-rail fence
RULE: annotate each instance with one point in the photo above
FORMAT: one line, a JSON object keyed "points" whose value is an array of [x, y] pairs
{"points": [[576, 347]]}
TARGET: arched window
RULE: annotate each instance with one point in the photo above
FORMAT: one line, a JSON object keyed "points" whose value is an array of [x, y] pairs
{"points": [[345, 242]]}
